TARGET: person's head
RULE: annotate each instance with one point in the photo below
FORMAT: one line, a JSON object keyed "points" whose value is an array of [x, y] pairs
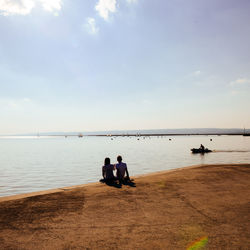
{"points": [[119, 158], [107, 161]]}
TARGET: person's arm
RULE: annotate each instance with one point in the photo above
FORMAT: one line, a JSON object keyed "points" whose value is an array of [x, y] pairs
{"points": [[127, 172], [103, 172]]}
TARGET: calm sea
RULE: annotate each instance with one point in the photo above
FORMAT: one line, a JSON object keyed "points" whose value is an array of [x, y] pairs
{"points": [[30, 164]]}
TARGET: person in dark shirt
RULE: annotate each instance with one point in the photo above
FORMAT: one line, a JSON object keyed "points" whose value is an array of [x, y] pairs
{"points": [[107, 171]]}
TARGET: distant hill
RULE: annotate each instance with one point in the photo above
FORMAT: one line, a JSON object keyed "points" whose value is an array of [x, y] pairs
{"points": [[183, 131]]}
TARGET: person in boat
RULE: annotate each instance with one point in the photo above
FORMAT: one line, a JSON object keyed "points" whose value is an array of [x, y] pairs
{"points": [[107, 171], [202, 148], [121, 169]]}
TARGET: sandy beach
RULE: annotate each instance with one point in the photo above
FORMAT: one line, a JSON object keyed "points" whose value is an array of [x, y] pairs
{"points": [[165, 210]]}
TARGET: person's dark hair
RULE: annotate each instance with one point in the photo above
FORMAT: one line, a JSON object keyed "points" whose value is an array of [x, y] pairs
{"points": [[107, 161], [119, 158]]}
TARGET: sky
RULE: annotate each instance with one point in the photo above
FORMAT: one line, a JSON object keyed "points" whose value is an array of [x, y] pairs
{"points": [[98, 65]]}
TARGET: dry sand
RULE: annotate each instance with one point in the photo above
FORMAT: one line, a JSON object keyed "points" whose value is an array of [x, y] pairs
{"points": [[166, 210]]}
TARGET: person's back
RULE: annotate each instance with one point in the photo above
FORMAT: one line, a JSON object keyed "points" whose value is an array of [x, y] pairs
{"points": [[121, 168], [107, 170]]}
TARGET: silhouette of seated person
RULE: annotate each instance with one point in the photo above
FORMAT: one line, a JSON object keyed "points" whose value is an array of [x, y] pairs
{"points": [[121, 169], [107, 171], [202, 148]]}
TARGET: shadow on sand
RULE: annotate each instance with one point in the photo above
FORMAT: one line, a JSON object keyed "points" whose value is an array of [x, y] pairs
{"points": [[118, 184]]}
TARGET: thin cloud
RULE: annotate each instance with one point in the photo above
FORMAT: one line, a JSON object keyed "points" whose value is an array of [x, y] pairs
{"points": [[240, 81], [27, 100], [91, 26], [24, 7], [235, 92], [132, 1], [105, 7], [15, 103], [51, 5], [21, 7], [196, 73]]}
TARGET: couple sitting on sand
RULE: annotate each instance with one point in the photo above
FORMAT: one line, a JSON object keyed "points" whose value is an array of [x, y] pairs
{"points": [[120, 167]]}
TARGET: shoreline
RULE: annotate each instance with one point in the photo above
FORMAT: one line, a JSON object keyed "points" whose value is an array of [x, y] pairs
{"points": [[132, 135], [169, 209], [86, 185]]}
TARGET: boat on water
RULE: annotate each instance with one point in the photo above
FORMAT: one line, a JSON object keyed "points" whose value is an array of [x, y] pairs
{"points": [[245, 133], [200, 151]]}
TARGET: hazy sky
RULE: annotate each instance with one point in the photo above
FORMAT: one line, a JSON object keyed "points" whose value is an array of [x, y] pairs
{"points": [[123, 64]]}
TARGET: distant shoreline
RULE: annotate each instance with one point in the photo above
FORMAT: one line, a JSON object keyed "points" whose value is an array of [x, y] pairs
{"points": [[142, 132], [132, 135], [124, 135]]}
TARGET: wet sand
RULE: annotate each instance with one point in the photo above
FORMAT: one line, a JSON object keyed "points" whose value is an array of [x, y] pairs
{"points": [[166, 210]]}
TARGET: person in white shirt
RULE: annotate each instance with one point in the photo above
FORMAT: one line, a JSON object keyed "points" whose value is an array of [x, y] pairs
{"points": [[121, 169]]}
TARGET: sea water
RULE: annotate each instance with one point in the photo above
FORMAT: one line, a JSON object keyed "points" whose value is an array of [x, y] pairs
{"points": [[30, 164]]}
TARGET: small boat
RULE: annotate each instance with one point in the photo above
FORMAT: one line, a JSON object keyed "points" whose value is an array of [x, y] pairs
{"points": [[200, 151], [246, 134]]}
